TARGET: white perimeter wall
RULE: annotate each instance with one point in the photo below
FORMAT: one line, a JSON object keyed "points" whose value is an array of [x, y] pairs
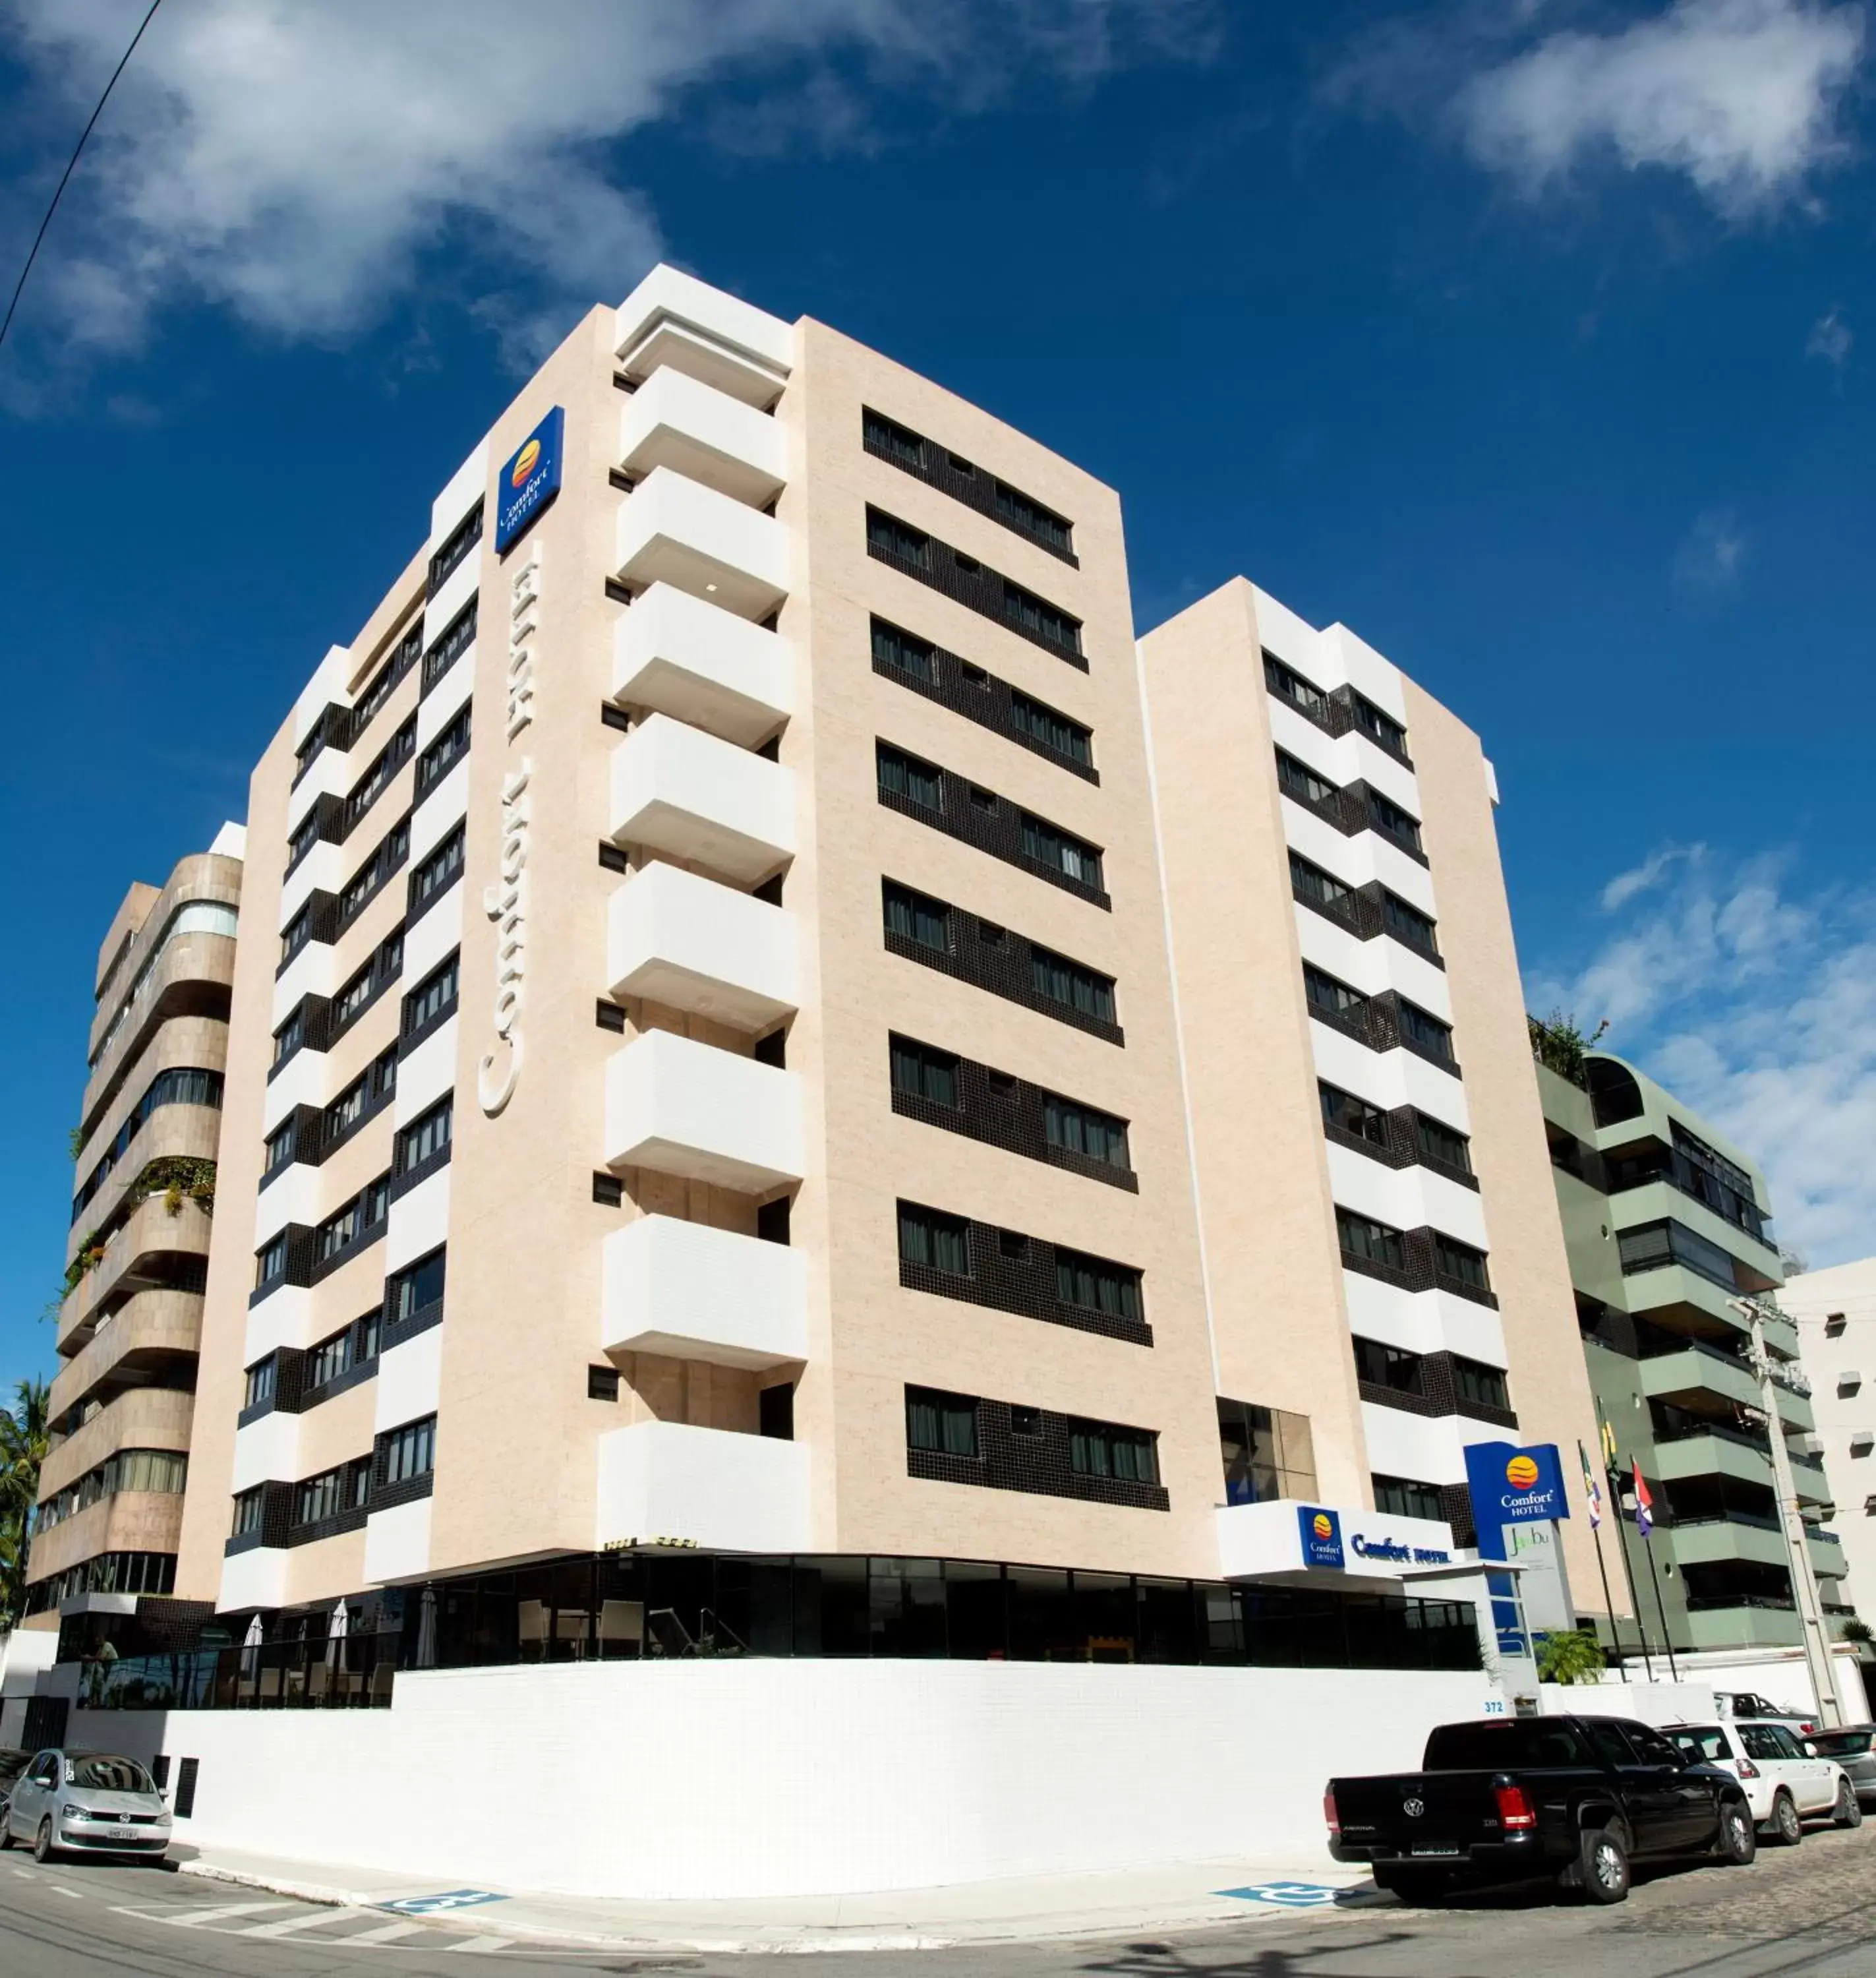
{"points": [[759, 1778]]}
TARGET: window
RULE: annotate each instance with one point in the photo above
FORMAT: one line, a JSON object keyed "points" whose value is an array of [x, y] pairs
{"points": [[1288, 683], [1483, 1386], [1080, 1129], [393, 670], [1405, 1499], [416, 1289], [1296, 779], [1311, 883], [1019, 512], [290, 1036], [1037, 615], [295, 935], [1407, 923], [411, 1451], [157, 1469], [1334, 998], [304, 839], [909, 778], [439, 871], [1092, 1283], [321, 1496], [329, 1359], [1655, 1246], [437, 760], [1104, 1449], [1433, 1036], [451, 647], [982, 799], [1014, 1244], [1389, 1367], [1374, 1241], [608, 1190], [260, 1382], [1352, 1115], [1459, 1261], [1058, 979], [365, 1094], [1388, 817], [1377, 726], [364, 1212], [917, 917], [936, 1241], [247, 1512], [602, 1383], [280, 1147], [428, 1136], [945, 1424], [922, 1073], [1441, 1144], [902, 652], [1267, 1453], [364, 883], [353, 998], [431, 998], [1056, 849], [270, 1261], [1024, 1421], [896, 442], [456, 545], [895, 539], [1056, 732], [390, 759]]}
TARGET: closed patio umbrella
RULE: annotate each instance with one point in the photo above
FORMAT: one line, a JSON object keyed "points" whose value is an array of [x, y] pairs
{"points": [[426, 1655]]}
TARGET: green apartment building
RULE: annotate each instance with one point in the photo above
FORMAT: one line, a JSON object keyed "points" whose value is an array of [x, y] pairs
{"points": [[1666, 1225]]}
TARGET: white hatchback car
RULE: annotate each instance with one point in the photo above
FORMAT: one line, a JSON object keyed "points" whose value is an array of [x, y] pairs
{"points": [[1787, 1781]]}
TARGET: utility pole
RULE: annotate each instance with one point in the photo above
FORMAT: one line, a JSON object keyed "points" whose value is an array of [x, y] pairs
{"points": [[1804, 1581]]}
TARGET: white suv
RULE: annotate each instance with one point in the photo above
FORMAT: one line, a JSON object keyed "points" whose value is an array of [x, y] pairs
{"points": [[1787, 1781]]}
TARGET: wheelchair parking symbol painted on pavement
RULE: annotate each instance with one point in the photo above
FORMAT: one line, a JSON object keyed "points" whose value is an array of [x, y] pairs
{"points": [[452, 1899], [1288, 1895]]}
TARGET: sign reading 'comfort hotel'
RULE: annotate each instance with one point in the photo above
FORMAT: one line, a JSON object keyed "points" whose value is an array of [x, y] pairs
{"points": [[529, 480]]}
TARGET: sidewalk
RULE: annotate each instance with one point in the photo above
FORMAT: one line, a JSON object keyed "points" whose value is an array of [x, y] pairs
{"points": [[1182, 1897]]}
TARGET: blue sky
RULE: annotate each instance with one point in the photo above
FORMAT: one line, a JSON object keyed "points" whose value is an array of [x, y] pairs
{"points": [[1531, 341]]}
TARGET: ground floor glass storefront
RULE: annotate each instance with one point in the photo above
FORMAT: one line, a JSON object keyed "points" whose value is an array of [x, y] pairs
{"points": [[676, 1603]]}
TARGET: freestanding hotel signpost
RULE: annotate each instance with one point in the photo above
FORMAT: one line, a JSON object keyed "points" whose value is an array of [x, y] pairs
{"points": [[1517, 1499]]}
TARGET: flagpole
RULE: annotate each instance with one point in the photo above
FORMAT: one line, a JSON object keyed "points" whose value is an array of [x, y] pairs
{"points": [[1602, 1565], [1666, 1638], [1628, 1567]]}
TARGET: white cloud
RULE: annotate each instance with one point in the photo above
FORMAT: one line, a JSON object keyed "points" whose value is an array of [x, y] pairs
{"points": [[1740, 96], [300, 161], [1831, 337], [1649, 874], [1708, 558], [1756, 1004]]}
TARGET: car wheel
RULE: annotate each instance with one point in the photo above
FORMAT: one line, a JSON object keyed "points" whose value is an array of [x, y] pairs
{"points": [[1848, 1810], [1787, 1829], [1425, 1890], [1737, 1843], [1602, 1869], [43, 1849]]}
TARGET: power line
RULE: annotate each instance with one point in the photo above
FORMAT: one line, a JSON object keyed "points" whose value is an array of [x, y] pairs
{"points": [[71, 165]]}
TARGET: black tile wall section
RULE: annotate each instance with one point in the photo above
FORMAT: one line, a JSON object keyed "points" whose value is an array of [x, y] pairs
{"points": [[1377, 1024], [984, 700], [406, 1491], [1024, 1284], [974, 585], [339, 726], [1349, 810], [1419, 1273], [990, 956], [432, 1163], [397, 1330], [277, 1516], [997, 830], [351, 1518], [354, 1376], [289, 1369], [1402, 1150], [937, 468], [1037, 1463], [1441, 1395], [1008, 1114], [299, 1271], [1455, 1507], [1358, 913], [1336, 716]]}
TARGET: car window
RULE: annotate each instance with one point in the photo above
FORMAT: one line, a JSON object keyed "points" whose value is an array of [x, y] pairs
{"points": [[11, 1765], [1784, 1745], [1651, 1747], [1611, 1747], [1699, 1741], [1842, 1743], [104, 1773], [45, 1773], [1513, 1744], [1759, 1740]]}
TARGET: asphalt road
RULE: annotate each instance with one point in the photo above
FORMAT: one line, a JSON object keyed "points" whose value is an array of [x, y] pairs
{"points": [[1805, 1913]]}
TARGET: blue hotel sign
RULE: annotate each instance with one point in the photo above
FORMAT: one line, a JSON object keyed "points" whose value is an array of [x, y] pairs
{"points": [[530, 478], [1510, 1486], [1321, 1534]]}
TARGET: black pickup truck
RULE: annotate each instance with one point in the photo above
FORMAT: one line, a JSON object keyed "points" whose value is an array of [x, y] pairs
{"points": [[1510, 1798]]}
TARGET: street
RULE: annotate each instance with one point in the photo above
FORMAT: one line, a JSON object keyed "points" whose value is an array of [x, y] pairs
{"points": [[1805, 1913]]}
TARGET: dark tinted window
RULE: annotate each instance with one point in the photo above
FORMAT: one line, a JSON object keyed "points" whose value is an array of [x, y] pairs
{"points": [[1611, 1746], [1519, 1744], [1843, 1743]]}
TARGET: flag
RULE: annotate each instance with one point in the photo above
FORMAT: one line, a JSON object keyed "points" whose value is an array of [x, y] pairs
{"points": [[1644, 1505], [1609, 1445], [1590, 1488]]}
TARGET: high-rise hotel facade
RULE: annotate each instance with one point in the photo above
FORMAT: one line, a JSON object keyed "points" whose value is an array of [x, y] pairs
{"points": [[729, 1064]]}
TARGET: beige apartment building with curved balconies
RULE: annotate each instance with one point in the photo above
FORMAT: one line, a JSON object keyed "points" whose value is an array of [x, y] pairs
{"points": [[110, 1490]]}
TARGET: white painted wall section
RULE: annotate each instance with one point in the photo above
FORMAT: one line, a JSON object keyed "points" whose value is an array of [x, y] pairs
{"points": [[660, 1480], [397, 1543]]}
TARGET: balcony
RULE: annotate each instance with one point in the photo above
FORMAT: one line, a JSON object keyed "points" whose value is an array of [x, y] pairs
{"points": [[675, 654], [675, 421], [1760, 1541], [1694, 1369], [1717, 1449], [685, 1108], [146, 1252], [684, 794], [1743, 1624], [149, 1328], [672, 321], [140, 1418], [691, 945], [673, 530], [692, 1292], [661, 1480]]}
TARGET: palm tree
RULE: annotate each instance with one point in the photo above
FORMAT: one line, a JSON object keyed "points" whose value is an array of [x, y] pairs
{"points": [[25, 1434]]}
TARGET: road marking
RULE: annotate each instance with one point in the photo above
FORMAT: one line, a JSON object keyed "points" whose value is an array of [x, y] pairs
{"points": [[286, 1926], [71, 1895], [385, 1933], [24, 1874], [197, 1917], [483, 1944]]}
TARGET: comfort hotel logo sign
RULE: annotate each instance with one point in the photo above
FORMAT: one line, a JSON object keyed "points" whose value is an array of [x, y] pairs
{"points": [[529, 480], [1321, 1532]]}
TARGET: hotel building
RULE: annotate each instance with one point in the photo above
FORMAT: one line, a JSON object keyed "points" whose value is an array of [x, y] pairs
{"points": [[711, 1123], [1668, 1227]]}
